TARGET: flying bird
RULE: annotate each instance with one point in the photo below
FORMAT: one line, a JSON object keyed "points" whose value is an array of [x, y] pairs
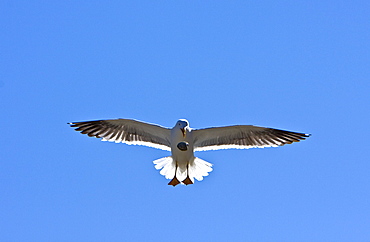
{"points": [[182, 166]]}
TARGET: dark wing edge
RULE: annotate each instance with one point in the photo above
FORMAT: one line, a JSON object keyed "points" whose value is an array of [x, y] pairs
{"points": [[243, 137], [126, 131]]}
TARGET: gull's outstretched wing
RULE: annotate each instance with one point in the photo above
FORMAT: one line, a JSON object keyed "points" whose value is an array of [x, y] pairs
{"points": [[127, 131], [243, 137]]}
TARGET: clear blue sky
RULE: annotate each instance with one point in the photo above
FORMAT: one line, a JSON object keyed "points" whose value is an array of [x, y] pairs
{"points": [[294, 65]]}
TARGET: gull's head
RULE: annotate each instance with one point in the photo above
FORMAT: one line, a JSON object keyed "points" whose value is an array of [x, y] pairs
{"points": [[182, 124]]}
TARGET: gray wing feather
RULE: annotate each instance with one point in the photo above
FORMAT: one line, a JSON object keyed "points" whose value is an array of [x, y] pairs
{"points": [[126, 131], [243, 137]]}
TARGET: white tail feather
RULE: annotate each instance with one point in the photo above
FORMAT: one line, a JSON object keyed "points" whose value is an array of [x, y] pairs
{"points": [[198, 168], [167, 165]]}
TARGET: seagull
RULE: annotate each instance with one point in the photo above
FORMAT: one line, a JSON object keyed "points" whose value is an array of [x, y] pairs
{"points": [[182, 167]]}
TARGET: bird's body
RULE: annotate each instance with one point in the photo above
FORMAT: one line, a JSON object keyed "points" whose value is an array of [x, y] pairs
{"points": [[182, 166], [177, 136]]}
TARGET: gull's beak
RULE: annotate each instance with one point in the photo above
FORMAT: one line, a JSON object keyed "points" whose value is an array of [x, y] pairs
{"points": [[183, 132]]}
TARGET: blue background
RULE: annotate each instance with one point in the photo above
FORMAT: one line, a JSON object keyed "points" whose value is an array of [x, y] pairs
{"points": [[294, 65]]}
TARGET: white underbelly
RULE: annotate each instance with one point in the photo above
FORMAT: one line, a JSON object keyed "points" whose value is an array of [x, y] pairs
{"points": [[182, 157]]}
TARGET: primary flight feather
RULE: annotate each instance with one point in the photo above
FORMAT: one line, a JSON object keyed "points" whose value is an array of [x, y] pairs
{"points": [[182, 166]]}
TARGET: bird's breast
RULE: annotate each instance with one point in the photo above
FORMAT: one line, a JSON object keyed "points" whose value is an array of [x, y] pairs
{"points": [[182, 147]]}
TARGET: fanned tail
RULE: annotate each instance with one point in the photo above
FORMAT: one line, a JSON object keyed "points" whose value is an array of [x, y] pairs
{"points": [[167, 165], [198, 168]]}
